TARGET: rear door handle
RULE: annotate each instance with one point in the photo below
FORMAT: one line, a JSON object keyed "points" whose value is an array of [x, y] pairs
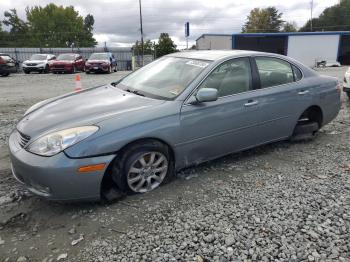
{"points": [[303, 92], [251, 103]]}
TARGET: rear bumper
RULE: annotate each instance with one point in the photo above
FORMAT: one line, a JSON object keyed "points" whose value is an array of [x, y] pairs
{"points": [[56, 177], [8, 69]]}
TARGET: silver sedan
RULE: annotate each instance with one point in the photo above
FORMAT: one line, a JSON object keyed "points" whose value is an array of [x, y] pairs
{"points": [[181, 110]]}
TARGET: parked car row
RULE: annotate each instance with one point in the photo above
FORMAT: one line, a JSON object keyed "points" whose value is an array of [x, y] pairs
{"points": [[63, 63]]}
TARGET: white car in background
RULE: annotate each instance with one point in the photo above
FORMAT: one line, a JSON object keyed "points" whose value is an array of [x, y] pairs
{"points": [[38, 63], [346, 83]]}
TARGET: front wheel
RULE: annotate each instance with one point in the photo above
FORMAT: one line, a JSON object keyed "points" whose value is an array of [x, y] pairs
{"points": [[5, 74], [143, 167]]}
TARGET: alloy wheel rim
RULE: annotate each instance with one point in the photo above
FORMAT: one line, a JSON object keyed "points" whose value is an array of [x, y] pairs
{"points": [[147, 172]]}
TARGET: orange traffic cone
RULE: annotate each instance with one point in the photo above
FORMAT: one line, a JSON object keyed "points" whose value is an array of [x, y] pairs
{"points": [[77, 84]]}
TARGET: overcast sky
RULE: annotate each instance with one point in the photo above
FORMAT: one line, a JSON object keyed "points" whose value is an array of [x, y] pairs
{"points": [[117, 21]]}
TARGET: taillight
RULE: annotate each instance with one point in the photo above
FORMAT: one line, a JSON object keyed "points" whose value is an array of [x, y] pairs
{"points": [[2, 61]]}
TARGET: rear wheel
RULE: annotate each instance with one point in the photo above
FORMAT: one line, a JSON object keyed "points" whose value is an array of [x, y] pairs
{"points": [[143, 167], [26, 71], [348, 93], [5, 74], [308, 125]]}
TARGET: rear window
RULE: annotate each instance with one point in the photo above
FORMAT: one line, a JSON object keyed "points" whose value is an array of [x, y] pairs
{"points": [[274, 71]]}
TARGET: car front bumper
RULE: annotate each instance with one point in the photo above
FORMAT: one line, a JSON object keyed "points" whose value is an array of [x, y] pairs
{"points": [[33, 68], [96, 68], [57, 177]]}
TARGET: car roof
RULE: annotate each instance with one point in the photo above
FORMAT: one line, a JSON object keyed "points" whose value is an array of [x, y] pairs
{"points": [[214, 54]]}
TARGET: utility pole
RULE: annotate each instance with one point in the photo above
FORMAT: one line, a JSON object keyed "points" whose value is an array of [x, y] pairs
{"points": [[312, 7], [142, 51]]}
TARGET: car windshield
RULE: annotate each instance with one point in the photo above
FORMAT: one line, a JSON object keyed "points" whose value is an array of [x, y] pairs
{"points": [[165, 78], [98, 56], [38, 57], [68, 57]]}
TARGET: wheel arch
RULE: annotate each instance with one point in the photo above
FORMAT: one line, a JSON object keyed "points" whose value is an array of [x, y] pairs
{"points": [[107, 182], [315, 112]]}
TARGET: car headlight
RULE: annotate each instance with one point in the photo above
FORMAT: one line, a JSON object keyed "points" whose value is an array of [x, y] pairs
{"points": [[56, 142]]}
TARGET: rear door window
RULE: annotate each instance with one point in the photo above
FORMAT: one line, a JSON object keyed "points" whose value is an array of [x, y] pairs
{"points": [[274, 71]]}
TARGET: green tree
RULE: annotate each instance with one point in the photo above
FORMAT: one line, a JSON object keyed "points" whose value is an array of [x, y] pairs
{"points": [[334, 18], [148, 47], [50, 26], [289, 27], [19, 30], [263, 20], [165, 45]]}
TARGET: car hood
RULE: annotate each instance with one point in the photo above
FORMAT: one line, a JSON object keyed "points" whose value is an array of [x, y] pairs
{"points": [[35, 61], [63, 62], [87, 107]]}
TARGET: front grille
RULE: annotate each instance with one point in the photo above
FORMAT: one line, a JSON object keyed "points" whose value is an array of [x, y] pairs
{"points": [[22, 139], [58, 66], [32, 64]]}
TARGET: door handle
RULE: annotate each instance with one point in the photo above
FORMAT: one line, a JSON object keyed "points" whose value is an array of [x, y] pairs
{"points": [[251, 103], [303, 92]]}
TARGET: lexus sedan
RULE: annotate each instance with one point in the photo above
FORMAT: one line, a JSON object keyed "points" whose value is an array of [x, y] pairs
{"points": [[68, 63], [101, 62], [38, 63], [132, 135]]}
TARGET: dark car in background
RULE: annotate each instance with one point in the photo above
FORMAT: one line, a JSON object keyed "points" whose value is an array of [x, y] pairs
{"points": [[101, 62], [68, 63], [38, 63], [7, 65]]}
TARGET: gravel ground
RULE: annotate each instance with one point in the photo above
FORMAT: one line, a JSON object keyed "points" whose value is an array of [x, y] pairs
{"points": [[279, 202]]}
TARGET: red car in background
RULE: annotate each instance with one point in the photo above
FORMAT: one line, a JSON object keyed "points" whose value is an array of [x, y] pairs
{"points": [[68, 63]]}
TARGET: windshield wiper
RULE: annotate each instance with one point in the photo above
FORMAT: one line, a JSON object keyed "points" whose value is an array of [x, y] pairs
{"points": [[134, 92]]}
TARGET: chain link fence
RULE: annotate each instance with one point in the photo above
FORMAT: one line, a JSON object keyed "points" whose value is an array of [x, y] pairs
{"points": [[123, 55]]}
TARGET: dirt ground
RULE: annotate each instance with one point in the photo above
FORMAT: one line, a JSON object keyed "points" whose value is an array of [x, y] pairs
{"points": [[38, 230]]}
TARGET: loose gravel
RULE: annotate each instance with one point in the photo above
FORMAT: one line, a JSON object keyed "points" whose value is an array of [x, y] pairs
{"points": [[280, 202]]}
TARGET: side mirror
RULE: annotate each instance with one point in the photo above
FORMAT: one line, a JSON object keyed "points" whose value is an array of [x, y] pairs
{"points": [[206, 95]]}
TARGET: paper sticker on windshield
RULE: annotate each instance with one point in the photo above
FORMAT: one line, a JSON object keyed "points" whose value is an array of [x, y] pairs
{"points": [[175, 91], [197, 63]]}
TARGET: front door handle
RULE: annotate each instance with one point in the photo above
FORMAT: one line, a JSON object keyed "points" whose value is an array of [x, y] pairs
{"points": [[304, 92], [251, 103]]}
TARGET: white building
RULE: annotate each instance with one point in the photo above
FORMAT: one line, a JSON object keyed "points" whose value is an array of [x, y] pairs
{"points": [[307, 47]]}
